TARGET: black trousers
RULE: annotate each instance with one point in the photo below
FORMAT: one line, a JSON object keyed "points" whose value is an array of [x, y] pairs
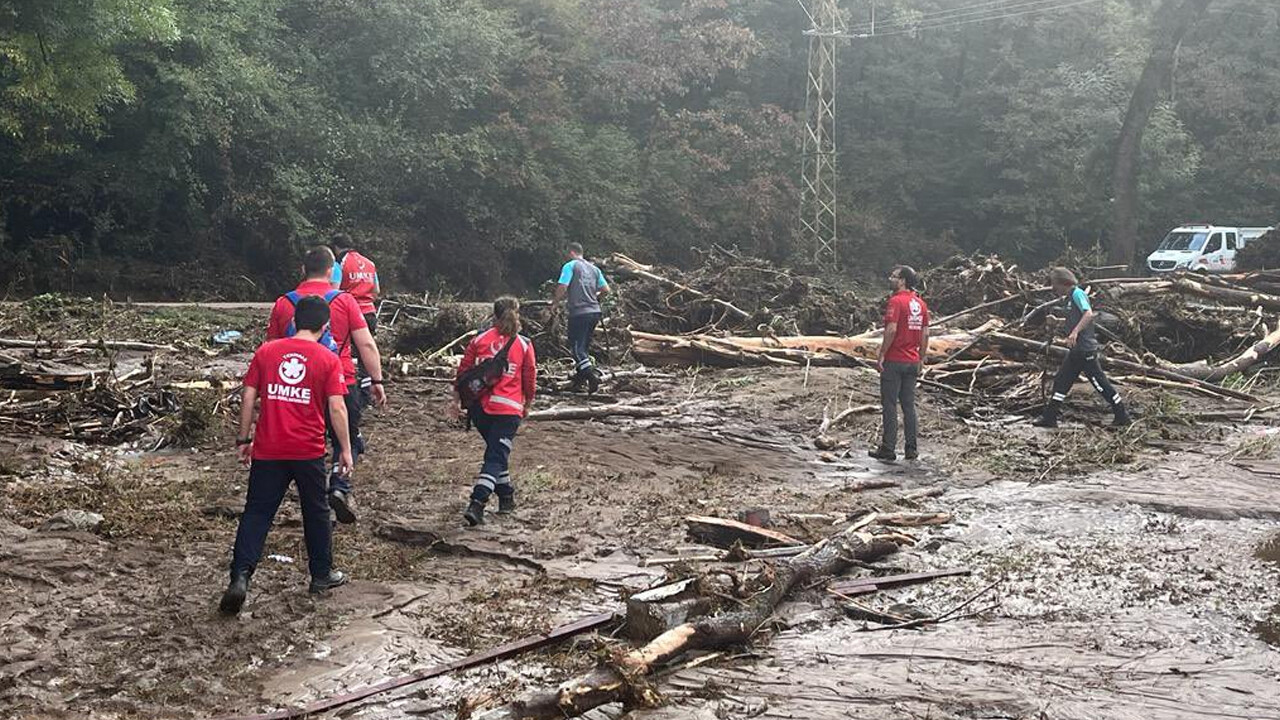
{"points": [[1088, 363], [363, 380], [898, 387], [354, 410], [499, 433], [268, 482]]}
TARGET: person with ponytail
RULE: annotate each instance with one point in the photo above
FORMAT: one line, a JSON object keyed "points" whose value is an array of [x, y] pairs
{"points": [[902, 349], [497, 410]]}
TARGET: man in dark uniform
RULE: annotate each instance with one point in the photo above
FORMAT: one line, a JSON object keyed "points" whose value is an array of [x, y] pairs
{"points": [[1083, 354]]}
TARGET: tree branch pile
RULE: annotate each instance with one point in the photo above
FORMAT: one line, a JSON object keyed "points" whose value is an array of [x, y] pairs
{"points": [[711, 624]]}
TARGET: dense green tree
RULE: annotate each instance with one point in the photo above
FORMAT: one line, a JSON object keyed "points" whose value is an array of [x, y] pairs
{"points": [[195, 146]]}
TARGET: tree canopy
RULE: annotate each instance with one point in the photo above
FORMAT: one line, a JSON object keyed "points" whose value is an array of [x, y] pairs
{"points": [[193, 147]]}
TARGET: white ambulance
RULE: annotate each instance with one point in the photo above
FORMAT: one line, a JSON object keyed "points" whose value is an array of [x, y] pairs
{"points": [[1201, 248]]}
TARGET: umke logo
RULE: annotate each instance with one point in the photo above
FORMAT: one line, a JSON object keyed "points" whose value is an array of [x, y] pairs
{"points": [[292, 370]]}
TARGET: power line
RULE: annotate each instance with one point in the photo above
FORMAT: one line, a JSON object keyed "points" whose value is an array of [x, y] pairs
{"points": [[987, 8], [947, 23]]}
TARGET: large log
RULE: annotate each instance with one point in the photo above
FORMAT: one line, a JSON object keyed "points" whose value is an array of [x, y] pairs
{"points": [[1245, 360], [1210, 290], [623, 680], [799, 350]]}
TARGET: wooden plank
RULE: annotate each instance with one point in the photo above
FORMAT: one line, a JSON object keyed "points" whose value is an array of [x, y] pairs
{"points": [[501, 652], [864, 585], [724, 533]]}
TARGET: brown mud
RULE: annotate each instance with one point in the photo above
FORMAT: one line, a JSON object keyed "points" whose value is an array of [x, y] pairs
{"points": [[1143, 589]]}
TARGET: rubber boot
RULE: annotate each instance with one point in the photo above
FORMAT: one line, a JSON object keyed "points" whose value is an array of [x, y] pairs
{"points": [[506, 504], [593, 381], [233, 598], [1049, 419], [1122, 418], [474, 514], [335, 578]]}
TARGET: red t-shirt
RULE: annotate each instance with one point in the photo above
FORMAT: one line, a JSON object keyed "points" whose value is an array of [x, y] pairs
{"points": [[911, 315], [344, 318], [359, 276], [294, 379]]}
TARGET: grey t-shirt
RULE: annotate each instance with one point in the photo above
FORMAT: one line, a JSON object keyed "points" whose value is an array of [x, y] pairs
{"points": [[583, 281]]}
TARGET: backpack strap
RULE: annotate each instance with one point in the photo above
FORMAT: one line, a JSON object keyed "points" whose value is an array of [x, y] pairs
{"points": [[293, 297], [329, 296]]}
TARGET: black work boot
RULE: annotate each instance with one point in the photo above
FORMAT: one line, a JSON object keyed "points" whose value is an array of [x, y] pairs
{"points": [[474, 514], [343, 506], [233, 598], [1122, 418], [506, 504], [911, 454], [1049, 418], [593, 381], [335, 578], [883, 453]]}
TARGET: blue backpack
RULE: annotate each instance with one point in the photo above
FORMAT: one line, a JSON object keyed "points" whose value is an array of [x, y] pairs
{"points": [[326, 338]]}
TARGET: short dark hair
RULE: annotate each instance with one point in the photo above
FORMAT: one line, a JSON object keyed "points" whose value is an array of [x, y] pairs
{"points": [[574, 248], [311, 314], [341, 241], [318, 261]]}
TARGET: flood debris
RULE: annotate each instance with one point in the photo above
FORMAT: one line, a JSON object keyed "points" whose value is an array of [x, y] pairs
{"points": [[623, 678]]}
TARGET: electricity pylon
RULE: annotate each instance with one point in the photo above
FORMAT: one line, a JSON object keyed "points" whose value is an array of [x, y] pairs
{"points": [[818, 166]]}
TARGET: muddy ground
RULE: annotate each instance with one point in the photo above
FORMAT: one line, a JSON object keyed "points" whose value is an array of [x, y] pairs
{"points": [[1144, 587]]}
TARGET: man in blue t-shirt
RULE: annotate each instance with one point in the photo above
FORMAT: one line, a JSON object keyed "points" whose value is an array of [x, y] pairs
{"points": [[580, 286], [1083, 354]]}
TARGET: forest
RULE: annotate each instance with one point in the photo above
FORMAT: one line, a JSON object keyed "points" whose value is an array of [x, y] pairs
{"points": [[190, 149]]}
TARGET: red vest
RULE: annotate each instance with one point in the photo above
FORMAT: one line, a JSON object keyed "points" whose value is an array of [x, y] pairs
{"points": [[516, 388], [360, 279]]}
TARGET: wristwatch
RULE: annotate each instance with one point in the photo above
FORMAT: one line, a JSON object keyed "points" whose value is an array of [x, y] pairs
{"points": [[376, 382], [244, 441]]}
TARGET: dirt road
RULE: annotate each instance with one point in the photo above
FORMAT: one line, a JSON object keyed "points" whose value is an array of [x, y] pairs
{"points": [[1142, 591]]}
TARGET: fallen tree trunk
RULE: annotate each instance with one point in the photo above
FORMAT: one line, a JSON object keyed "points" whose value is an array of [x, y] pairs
{"points": [[1245, 360], [71, 344], [593, 413], [631, 267], [797, 350], [623, 680], [1197, 288]]}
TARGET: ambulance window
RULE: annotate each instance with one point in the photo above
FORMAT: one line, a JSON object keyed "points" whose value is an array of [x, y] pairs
{"points": [[1215, 243], [1231, 241]]}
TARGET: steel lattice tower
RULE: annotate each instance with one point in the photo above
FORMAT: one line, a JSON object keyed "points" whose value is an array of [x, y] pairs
{"points": [[818, 167]]}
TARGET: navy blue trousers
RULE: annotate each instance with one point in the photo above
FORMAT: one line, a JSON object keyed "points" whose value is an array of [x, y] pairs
{"points": [[268, 482], [499, 432]]}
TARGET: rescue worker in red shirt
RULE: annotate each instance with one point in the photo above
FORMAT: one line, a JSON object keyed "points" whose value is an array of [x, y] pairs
{"points": [[497, 413], [903, 348], [356, 274], [295, 379], [347, 327]]}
